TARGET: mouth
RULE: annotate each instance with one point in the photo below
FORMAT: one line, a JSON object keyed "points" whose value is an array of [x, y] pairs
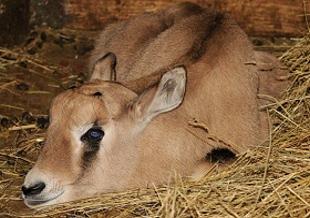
{"points": [[40, 202]]}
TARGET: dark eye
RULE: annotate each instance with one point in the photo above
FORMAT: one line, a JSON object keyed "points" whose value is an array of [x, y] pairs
{"points": [[93, 134]]}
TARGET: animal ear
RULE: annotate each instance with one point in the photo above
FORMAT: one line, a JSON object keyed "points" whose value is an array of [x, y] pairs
{"points": [[166, 96], [104, 68]]}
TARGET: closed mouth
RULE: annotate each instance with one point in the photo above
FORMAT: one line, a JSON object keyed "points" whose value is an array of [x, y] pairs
{"points": [[37, 202]]}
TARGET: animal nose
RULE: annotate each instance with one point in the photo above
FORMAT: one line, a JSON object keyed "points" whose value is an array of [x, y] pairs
{"points": [[33, 190]]}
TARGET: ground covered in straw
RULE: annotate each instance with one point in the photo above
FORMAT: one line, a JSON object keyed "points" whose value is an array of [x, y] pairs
{"points": [[271, 180]]}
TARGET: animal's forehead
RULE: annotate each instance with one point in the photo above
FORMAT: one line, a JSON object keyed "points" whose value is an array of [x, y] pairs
{"points": [[74, 108], [93, 100], [109, 89]]}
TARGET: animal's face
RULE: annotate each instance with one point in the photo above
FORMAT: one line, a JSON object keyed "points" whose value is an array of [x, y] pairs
{"points": [[90, 145]]}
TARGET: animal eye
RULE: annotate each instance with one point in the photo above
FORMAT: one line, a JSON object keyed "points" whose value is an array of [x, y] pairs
{"points": [[93, 134]]}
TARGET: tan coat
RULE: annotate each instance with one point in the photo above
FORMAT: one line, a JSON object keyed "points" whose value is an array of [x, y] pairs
{"points": [[171, 67]]}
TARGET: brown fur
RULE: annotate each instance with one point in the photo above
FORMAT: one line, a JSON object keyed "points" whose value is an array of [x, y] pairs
{"points": [[176, 33], [143, 145], [272, 74]]}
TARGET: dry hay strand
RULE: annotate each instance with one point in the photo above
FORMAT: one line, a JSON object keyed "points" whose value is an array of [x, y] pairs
{"points": [[9, 57], [270, 180]]}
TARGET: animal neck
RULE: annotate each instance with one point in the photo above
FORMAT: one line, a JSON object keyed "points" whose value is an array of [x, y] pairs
{"points": [[166, 146]]}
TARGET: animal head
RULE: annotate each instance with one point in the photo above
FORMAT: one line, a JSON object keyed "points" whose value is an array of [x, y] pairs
{"points": [[95, 139]]}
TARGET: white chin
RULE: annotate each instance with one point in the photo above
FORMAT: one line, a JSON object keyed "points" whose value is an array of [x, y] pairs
{"points": [[35, 203]]}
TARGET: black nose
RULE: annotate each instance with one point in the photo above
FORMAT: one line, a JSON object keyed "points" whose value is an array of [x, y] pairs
{"points": [[33, 190]]}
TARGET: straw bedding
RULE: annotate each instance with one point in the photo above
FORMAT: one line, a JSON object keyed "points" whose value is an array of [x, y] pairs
{"points": [[270, 180]]}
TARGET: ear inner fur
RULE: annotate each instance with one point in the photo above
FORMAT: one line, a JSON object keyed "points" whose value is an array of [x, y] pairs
{"points": [[164, 97], [103, 72]]}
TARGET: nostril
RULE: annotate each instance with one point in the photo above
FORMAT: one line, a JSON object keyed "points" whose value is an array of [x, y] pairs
{"points": [[33, 190]]}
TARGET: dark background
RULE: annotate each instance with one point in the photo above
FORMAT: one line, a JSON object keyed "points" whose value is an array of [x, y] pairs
{"points": [[286, 18]]}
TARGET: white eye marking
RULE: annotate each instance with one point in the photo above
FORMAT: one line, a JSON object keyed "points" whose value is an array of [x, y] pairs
{"points": [[76, 135]]}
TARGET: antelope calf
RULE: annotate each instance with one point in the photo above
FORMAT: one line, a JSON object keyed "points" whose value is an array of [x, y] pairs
{"points": [[128, 126]]}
